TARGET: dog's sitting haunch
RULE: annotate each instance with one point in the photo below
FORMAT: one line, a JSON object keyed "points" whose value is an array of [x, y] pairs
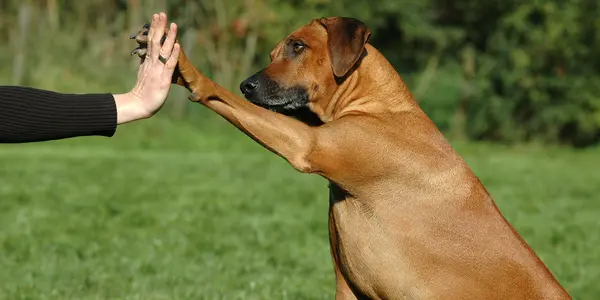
{"points": [[408, 219]]}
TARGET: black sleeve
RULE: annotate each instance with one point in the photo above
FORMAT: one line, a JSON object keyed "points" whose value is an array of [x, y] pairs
{"points": [[33, 115]]}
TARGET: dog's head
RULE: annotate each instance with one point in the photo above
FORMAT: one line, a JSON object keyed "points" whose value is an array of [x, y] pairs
{"points": [[308, 64]]}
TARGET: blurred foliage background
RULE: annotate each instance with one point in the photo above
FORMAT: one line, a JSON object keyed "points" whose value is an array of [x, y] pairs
{"points": [[506, 71], [184, 206]]}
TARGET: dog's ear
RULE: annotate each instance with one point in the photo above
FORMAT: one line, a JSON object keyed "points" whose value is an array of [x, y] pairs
{"points": [[346, 39]]}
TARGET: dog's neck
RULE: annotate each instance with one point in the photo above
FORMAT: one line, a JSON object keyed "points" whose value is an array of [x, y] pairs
{"points": [[384, 92]]}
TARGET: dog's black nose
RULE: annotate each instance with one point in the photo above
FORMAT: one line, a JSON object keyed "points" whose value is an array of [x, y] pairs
{"points": [[249, 85]]}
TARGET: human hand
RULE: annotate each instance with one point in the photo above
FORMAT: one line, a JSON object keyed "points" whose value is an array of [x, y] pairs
{"points": [[154, 76]]}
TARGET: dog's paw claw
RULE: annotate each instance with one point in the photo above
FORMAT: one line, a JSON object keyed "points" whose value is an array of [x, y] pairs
{"points": [[141, 52], [194, 97]]}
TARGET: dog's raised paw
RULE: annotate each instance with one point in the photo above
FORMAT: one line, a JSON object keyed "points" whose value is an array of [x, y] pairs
{"points": [[141, 38]]}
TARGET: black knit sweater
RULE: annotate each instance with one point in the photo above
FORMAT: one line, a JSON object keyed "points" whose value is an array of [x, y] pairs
{"points": [[33, 115]]}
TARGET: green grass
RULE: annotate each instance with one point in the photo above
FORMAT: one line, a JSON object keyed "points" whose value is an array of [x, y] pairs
{"points": [[167, 210]]}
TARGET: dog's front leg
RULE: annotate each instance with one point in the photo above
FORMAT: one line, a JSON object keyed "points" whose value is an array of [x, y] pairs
{"points": [[342, 289], [285, 136]]}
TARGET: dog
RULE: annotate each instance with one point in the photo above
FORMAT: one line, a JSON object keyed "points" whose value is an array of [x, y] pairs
{"points": [[408, 219]]}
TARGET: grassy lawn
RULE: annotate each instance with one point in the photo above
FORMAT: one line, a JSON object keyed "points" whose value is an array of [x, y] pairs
{"points": [[179, 211]]}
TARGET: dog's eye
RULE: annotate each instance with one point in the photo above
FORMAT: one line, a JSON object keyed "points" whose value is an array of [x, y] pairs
{"points": [[298, 47]]}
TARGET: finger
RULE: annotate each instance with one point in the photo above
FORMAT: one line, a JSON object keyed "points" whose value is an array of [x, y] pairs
{"points": [[158, 34], [172, 62], [167, 47], [151, 33]]}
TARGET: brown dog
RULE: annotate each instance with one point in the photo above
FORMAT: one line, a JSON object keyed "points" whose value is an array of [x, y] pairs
{"points": [[408, 219]]}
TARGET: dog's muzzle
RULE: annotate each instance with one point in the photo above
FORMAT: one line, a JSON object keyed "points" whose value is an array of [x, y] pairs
{"points": [[265, 92]]}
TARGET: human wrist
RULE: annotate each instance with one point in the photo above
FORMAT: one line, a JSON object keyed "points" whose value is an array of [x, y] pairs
{"points": [[129, 108]]}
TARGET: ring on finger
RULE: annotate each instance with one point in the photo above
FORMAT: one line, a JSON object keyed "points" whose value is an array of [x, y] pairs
{"points": [[162, 59]]}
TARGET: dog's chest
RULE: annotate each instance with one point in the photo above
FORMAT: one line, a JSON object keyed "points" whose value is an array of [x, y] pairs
{"points": [[368, 257]]}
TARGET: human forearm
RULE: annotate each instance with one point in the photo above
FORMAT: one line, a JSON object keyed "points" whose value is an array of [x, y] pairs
{"points": [[128, 108], [31, 115]]}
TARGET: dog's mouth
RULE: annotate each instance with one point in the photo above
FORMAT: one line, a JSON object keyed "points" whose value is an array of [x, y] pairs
{"points": [[285, 102]]}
